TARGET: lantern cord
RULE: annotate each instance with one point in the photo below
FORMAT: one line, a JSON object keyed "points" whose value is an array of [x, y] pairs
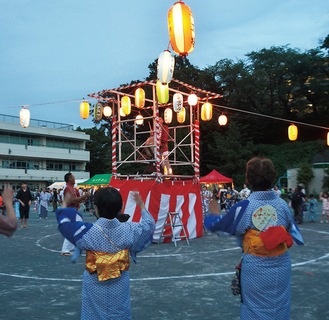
{"points": [[47, 103], [270, 117]]}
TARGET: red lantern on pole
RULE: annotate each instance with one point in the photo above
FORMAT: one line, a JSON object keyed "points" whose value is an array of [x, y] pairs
{"points": [[181, 28]]}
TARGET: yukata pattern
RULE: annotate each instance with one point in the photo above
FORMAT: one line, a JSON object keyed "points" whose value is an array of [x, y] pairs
{"points": [[265, 281]]}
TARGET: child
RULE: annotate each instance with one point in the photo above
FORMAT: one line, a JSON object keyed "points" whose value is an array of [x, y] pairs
{"points": [[312, 205], [325, 207]]}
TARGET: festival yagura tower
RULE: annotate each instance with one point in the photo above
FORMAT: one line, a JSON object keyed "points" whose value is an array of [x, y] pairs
{"points": [[163, 191]]}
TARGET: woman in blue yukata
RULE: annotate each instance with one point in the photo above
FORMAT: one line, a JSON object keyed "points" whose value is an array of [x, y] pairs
{"points": [[108, 243], [265, 230]]}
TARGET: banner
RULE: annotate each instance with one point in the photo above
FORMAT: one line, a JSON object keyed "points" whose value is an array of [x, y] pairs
{"points": [[160, 198]]}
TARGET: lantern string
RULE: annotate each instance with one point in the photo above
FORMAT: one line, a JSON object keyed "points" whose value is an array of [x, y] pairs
{"points": [[47, 103]]}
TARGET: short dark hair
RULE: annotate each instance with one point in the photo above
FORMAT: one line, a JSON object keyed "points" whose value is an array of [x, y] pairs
{"points": [[67, 176], [108, 201], [260, 173]]}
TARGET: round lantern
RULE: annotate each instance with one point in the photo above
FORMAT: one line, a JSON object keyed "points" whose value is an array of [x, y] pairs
{"points": [[181, 115], [126, 105], [181, 28], [162, 92], [107, 111], [139, 98], [222, 120], [167, 115], [192, 99], [292, 132], [122, 114], [165, 67], [178, 102], [139, 119], [24, 117], [206, 111], [84, 109], [98, 112]]}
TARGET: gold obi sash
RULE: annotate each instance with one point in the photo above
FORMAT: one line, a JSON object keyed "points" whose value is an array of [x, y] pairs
{"points": [[254, 245], [107, 265]]}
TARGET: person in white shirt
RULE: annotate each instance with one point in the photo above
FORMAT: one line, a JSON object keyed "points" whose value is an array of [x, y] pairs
{"points": [[245, 192]]}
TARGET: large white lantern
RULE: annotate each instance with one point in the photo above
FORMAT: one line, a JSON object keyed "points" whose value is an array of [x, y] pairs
{"points": [[192, 99], [165, 67], [24, 117], [107, 111], [178, 102], [167, 115], [222, 120], [139, 119]]}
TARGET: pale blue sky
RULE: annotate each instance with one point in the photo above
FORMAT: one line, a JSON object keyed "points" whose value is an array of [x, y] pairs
{"points": [[60, 50]]}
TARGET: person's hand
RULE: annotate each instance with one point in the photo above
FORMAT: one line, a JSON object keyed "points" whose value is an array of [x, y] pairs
{"points": [[139, 201], [7, 195]]}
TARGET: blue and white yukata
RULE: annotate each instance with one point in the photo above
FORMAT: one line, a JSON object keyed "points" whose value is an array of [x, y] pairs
{"points": [[108, 299], [265, 280]]}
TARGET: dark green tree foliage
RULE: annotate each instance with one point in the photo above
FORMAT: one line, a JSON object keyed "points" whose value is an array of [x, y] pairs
{"points": [[305, 173], [325, 181]]}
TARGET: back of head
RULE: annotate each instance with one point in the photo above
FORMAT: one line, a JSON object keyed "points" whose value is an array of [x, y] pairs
{"points": [[108, 201], [260, 173]]}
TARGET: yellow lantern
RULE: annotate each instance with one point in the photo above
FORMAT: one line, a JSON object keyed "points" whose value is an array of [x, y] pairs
{"points": [[84, 109], [107, 111], [178, 102], [162, 92], [122, 114], [206, 111], [181, 28], [292, 132], [181, 115], [139, 119], [167, 115], [98, 112], [165, 67], [139, 98], [192, 99], [126, 105], [24, 117], [328, 139], [222, 120]]}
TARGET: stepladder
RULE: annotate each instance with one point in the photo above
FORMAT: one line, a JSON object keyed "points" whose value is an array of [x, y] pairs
{"points": [[173, 228]]}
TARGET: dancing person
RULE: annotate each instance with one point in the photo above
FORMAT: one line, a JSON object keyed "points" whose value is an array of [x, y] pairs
{"points": [[297, 203], [325, 207], [312, 206], [73, 201], [44, 203], [8, 222], [265, 229], [24, 196], [164, 151], [245, 192], [105, 288]]}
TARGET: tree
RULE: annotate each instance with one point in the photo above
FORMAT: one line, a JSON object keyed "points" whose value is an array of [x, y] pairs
{"points": [[305, 174]]}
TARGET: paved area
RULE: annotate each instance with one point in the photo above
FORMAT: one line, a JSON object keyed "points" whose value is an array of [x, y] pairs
{"points": [[186, 282]]}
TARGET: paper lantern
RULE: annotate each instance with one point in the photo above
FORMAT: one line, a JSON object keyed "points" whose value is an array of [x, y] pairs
{"points": [[177, 102], [139, 119], [98, 112], [126, 105], [206, 111], [165, 67], [222, 120], [181, 28], [192, 99], [181, 115], [24, 117], [162, 91], [139, 98], [107, 111], [328, 139], [122, 114], [84, 109], [292, 132], [167, 115]]}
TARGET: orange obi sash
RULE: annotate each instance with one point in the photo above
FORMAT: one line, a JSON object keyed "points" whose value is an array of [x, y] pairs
{"points": [[253, 244], [107, 265]]}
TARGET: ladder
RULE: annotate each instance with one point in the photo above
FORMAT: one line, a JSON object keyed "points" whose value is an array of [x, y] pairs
{"points": [[173, 221]]}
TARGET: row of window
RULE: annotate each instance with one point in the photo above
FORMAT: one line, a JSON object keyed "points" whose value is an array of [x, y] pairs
{"points": [[35, 165]]}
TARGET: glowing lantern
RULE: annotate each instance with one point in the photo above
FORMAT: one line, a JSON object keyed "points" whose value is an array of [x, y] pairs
{"points": [[165, 67], [98, 112], [122, 114], [162, 92], [139, 119], [167, 115], [107, 111], [181, 28], [222, 120], [206, 111], [328, 139], [24, 117], [139, 98], [126, 105], [178, 102], [84, 109], [181, 115], [292, 132], [192, 99]]}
